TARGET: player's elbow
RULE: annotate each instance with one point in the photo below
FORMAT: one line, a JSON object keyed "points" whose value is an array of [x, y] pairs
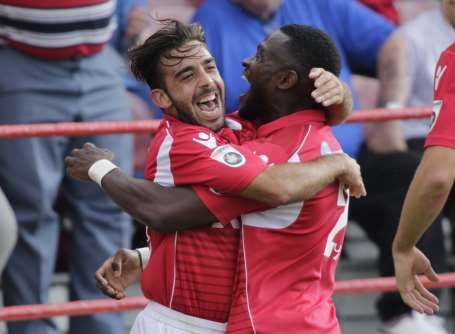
{"points": [[151, 216], [281, 195], [439, 183]]}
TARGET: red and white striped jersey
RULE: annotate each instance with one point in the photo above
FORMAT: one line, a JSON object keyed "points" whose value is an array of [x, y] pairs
{"points": [[442, 131], [193, 271], [288, 254], [57, 29]]}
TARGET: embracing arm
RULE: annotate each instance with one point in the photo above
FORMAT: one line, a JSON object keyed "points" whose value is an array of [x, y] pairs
{"points": [[170, 209], [288, 183], [333, 94], [160, 208]]}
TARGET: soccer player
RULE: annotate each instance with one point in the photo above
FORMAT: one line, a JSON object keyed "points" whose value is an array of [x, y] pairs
{"points": [[182, 279], [430, 187]]}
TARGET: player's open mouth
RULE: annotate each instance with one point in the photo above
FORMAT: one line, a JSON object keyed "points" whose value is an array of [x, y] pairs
{"points": [[246, 73], [209, 106]]}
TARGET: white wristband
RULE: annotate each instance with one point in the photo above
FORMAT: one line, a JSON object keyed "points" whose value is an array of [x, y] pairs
{"points": [[145, 256], [99, 169]]}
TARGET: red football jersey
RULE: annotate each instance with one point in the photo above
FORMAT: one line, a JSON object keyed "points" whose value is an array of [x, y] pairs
{"points": [[193, 271], [288, 254], [442, 131]]}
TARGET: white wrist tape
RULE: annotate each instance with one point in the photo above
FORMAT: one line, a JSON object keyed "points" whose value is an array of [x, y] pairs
{"points": [[99, 169], [145, 256]]}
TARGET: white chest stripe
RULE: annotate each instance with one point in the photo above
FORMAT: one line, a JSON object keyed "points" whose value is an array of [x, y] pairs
{"points": [[163, 175], [282, 216]]}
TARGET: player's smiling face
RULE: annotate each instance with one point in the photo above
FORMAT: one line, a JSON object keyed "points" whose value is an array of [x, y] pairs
{"points": [[260, 71], [194, 90]]}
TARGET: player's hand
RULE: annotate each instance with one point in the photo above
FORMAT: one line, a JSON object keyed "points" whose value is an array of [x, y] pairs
{"points": [[352, 177], [407, 266], [329, 88], [118, 272], [79, 161]]}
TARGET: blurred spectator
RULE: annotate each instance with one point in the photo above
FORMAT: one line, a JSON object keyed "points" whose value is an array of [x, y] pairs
{"points": [[8, 230], [132, 18], [367, 43], [56, 67], [422, 56], [384, 7]]}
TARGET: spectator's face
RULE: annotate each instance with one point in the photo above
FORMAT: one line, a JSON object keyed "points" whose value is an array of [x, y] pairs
{"points": [[262, 72], [449, 10], [194, 90], [261, 8]]}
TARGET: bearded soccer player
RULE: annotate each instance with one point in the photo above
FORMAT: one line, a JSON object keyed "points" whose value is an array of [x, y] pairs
{"points": [[209, 160], [430, 187]]}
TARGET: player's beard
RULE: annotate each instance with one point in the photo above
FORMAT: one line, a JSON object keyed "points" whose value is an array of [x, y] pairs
{"points": [[184, 112], [252, 107]]}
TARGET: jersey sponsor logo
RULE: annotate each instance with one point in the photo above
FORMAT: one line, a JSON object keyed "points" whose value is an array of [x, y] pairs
{"points": [[437, 106], [206, 139], [439, 73], [229, 156]]}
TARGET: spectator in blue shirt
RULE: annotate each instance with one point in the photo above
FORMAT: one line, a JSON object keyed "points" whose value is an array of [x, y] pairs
{"points": [[366, 41]]}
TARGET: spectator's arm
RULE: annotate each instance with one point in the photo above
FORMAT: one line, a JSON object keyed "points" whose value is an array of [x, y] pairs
{"points": [[394, 92], [361, 32]]}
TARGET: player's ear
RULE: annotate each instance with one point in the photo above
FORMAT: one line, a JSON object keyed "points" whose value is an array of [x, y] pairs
{"points": [[287, 79], [160, 98]]}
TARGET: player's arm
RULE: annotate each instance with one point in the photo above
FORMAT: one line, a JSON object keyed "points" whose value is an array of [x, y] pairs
{"points": [[426, 196], [288, 183], [333, 94], [170, 209], [160, 208]]}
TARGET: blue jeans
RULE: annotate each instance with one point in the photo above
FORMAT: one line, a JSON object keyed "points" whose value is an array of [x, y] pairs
{"points": [[32, 172]]}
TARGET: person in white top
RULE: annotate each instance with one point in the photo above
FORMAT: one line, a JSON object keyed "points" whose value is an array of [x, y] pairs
{"points": [[8, 230], [422, 55]]}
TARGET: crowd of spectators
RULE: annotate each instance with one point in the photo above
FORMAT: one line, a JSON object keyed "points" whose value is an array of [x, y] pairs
{"points": [[48, 77]]}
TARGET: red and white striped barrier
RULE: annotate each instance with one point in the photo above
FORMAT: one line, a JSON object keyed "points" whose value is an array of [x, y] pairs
{"points": [[28, 312], [150, 126]]}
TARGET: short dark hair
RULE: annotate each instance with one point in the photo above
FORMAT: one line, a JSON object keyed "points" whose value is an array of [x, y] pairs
{"points": [[310, 47], [145, 58]]}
